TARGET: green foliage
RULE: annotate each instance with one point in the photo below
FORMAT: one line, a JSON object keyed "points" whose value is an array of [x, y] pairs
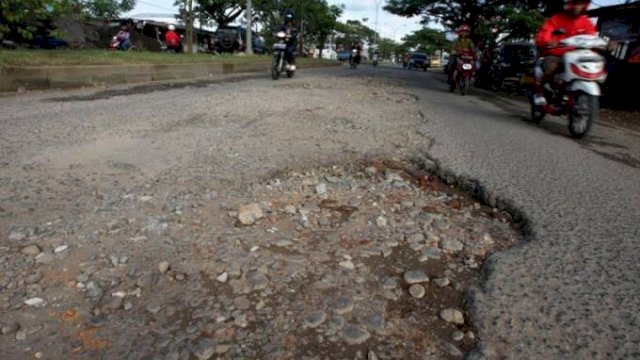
{"points": [[222, 12], [317, 18], [20, 18], [427, 40], [521, 18], [107, 9], [353, 29]]}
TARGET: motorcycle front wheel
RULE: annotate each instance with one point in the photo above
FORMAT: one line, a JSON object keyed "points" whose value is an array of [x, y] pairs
{"points": [[275, 67], [583, 114]]}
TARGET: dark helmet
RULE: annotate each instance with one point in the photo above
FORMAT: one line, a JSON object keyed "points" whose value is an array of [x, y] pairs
{"points": [[289, 16], [569, 5]]}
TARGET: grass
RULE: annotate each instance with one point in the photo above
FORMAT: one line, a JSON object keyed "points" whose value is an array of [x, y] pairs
{"points": [[104, 57]]}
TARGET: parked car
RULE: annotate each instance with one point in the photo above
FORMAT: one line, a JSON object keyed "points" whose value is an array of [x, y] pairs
{"points": [[419, 61], [229, 39], [48, 42], [343, 55], [508, 64]]}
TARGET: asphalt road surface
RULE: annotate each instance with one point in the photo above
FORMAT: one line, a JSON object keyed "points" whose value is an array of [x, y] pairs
{"points": [[571, 290]]}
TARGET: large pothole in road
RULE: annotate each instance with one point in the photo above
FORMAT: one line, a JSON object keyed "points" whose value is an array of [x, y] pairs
{"points": [[366, 260]]}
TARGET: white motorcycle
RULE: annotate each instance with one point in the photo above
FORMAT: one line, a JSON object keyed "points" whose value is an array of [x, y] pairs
{"points": [[575, 90]]}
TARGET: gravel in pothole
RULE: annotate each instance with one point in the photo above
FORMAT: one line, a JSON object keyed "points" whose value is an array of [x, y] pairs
{"points": [[366, 260]]}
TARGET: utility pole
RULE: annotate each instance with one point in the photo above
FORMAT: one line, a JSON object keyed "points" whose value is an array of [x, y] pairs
{"points": [[377, 2], [301, 35], [190, 27], [249, 37]]}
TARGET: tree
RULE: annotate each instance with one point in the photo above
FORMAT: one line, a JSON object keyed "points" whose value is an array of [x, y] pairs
{"points": [[223, 12], [427, 40], [316, 18], [487, 18], [107, 9], [20, 19], [321, 22], [352, 29]]}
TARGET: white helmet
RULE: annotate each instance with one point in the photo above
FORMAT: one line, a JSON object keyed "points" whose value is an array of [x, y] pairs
{"points": [[172, 28]]}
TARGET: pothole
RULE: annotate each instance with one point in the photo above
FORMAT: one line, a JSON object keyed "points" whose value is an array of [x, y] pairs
{"points": [[335, 262]]}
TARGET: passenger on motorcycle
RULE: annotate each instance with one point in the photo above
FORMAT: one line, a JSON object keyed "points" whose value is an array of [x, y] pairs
{"points": [[570, 22], [461, 45], [124, 36], [292, 31]]}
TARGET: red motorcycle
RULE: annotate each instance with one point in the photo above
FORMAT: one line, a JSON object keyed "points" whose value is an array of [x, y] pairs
{"points": [[463, 72]]}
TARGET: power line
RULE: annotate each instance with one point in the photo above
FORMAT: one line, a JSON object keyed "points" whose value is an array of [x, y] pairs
{"points": [[156, 6]]}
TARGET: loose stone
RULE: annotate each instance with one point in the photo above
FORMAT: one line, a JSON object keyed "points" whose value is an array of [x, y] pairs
{"points": [[417, 291], [354, 335], [415, 277], [315, 319]]}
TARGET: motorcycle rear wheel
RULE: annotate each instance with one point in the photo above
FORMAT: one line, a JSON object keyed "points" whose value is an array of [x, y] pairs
{"points": [[583, 115], [464, 85]]}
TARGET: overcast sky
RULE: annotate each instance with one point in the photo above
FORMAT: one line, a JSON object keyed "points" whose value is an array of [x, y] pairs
{"points": [[389, 25]]}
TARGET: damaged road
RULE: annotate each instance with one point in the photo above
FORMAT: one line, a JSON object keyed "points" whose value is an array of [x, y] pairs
{"points": [[293, 220]]}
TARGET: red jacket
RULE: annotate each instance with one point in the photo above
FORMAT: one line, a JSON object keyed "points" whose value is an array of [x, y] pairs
{"points": [[172, 39], [573, 26]]}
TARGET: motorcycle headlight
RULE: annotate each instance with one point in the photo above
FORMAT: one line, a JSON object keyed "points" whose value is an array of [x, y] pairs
{"points": [[281, 34]]}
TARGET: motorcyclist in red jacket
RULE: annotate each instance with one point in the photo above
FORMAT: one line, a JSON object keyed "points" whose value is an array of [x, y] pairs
{"points": [[173, 40], [570, 22]]}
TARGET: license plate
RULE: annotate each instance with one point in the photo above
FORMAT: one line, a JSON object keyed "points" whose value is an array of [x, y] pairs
{"points": [[279, 46], [466, 67]]}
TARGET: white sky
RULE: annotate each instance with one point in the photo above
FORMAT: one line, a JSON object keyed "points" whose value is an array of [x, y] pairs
{"points": [[389, 25]]}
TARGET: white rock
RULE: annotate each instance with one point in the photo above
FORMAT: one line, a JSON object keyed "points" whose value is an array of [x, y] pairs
{"points": [[321, 189], [290, 209], [145, 198], [381, 221], [60, 249], [163, 267], [452, 245], [348, 264], [31, 250], [249, 214], [119, 294], [223, 277], [36, 301], [417, 291], [452, 316]]}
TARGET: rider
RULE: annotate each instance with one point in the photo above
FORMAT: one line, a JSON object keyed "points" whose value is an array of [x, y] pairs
{"points": [[570, 22], [124, 36], [290, 30], [172, 39], [357, 45], [462, 44]]}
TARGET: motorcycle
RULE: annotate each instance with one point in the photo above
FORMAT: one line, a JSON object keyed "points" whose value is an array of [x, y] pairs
{"points": [[374, 60], [279, 63], [575, 90], [114, 44], [463, 73], [354, 59]]}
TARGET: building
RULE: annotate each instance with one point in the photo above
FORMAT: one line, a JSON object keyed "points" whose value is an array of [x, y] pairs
{"points": [[620, 24]]}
